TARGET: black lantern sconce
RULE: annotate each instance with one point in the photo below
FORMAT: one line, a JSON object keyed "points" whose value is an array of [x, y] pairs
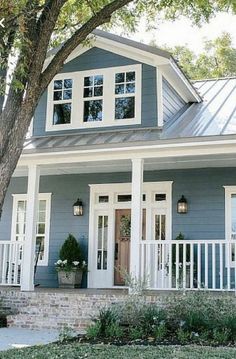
{"points": [[182, 205], [78, 208]]}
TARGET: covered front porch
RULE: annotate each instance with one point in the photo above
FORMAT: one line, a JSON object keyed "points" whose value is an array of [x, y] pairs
{"points": [[130, 220]]}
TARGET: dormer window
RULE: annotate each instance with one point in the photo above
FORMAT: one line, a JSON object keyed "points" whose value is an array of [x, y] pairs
{"points": [[95, 98], [62, 101], [125, 95]]}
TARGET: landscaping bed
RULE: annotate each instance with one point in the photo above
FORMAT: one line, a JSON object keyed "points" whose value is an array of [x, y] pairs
{"points": [[76, 350], [190, 318]]}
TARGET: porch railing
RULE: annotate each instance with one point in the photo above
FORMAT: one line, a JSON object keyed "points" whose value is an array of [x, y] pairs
{"points": [[176, 264], [10, 262]]}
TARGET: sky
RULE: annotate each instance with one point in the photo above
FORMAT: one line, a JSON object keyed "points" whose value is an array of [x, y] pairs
{"points": [[182, 32]]}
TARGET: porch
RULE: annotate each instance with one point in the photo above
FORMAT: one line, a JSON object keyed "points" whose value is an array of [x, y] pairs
{"points": [[151, 186]]}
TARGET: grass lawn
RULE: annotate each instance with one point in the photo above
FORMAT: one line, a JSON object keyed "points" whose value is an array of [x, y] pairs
{"points": [[79, 351]]}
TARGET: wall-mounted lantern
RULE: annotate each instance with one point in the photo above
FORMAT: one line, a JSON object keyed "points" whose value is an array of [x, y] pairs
{"points": [[78, 208], [182, 205]]}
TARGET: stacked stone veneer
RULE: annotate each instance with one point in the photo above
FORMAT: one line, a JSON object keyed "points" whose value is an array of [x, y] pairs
{"points": [[55, 309]]}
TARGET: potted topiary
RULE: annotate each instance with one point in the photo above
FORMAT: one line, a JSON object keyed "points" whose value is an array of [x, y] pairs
{"points": [[71, 265]]}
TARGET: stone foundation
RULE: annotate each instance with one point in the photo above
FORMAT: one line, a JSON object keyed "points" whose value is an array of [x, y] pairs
{"points": [[56, 308]]}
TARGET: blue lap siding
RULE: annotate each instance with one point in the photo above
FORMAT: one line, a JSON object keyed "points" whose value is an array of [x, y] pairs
{"points": [[96, 58], [203, 189]]}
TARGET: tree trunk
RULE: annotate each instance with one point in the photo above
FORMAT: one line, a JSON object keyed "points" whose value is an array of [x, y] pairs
{"points": [[19, 110]]}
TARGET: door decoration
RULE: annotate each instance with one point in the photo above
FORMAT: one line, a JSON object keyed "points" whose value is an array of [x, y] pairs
{"points": [[125, 227]]}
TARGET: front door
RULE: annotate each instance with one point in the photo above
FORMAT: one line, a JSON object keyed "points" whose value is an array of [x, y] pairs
{"points": [[122, 244]]}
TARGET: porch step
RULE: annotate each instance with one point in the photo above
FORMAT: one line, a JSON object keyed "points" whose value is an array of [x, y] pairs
{"points": [[55, 309]]}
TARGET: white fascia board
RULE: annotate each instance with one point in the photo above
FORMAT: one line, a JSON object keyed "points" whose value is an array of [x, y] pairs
{"points": [[146, 151], [185, 81], [117, 48]]}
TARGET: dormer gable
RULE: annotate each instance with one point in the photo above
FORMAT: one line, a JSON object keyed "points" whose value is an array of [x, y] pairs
{"points": [[114, 82]]}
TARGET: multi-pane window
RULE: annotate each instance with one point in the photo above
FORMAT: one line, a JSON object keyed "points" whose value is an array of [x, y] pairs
{"points": [[93, 98], [62, 101], [102, 235], [125, 95], [42, 223]]}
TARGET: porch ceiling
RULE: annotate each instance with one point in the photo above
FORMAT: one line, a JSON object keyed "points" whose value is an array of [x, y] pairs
{"points": [[226, 160]]}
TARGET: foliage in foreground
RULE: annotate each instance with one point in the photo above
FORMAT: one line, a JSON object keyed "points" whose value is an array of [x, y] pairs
{"points": [[187, 318], [3, 314], [80, 351]]}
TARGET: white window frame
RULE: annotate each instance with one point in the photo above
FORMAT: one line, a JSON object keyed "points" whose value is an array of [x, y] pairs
{"points": [[41, 196], [77, 103], [229, 190]]}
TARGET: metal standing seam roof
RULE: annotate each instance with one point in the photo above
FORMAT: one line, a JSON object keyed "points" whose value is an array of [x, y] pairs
{"points": [[215, 116]]}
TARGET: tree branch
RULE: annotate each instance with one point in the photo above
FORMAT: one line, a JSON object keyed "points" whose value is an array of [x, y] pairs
{"points": [[77, 38]]}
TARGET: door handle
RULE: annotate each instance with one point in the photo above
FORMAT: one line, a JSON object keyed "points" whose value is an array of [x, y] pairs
{"points": [[116, 251]]}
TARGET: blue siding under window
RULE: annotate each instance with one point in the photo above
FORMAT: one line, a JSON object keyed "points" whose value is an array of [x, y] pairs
{"points": [[203, 189], [96, 58], [172, 102]]}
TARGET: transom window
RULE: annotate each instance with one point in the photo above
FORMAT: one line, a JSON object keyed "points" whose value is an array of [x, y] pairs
{"points": [[95, 98], [42, 223], [125, 95], [62, 101]]}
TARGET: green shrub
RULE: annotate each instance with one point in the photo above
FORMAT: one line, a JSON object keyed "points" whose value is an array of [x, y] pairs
{"points": [[222, 336], [190, 317], [3, 316], [160, 332], [114, 331], [182, 336], [136, 333], [94, 331], [70, 250]]}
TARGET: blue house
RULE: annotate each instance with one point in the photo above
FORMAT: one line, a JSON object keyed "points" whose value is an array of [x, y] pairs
{"points": [[151, 156]]}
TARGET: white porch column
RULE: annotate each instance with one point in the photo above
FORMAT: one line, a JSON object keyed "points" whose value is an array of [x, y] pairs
{"points": [[136, 216], [27, 280]]}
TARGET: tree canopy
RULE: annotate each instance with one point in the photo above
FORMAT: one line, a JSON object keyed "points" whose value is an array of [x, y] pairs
{"points": [[218, 59], [31, 27]]}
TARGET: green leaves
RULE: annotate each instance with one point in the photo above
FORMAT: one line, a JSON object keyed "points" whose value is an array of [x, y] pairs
{"points": [[216, 60]]}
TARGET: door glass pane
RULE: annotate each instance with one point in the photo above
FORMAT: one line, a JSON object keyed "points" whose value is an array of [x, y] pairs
{"points": [[102, 242], [160, 227], [233, 218]]}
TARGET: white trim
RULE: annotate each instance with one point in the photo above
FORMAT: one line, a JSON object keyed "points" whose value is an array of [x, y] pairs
{"points": [[229, 190], [112, 189], [77, 101], [136, 215], [41, 196], [160, 111], [138, 55], [166, 150]]}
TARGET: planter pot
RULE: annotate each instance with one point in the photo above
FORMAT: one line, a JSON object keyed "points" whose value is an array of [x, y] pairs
{"points": [[70, 279]]}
